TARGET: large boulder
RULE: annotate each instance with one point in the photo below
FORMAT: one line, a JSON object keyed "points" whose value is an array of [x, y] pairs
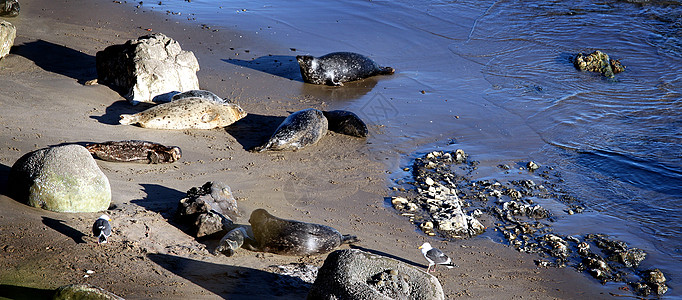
{"points": [[83, 291], [7, 34], [62, 179], [149, 69], [357, 275], [9, 8]]}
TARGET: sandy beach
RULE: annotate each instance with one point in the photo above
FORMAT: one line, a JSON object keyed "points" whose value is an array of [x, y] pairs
{"points": [[340, 181]]}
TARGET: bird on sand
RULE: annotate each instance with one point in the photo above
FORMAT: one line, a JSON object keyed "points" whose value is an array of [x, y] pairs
{"points": [[435, 257], [102, 229]]}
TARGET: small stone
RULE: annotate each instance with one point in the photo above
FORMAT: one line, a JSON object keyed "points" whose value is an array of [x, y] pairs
{"points": [[426, 226], [429, 181], [532, 166]]}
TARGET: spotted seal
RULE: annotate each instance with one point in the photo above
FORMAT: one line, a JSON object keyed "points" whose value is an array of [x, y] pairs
{"points": [[346, 122], [300, 129], [289, 237], [339, 67], [208, 95], [187, 113], [134, 151]]}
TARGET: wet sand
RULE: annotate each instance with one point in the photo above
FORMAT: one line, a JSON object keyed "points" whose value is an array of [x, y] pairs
{"points": [[341, 181]]}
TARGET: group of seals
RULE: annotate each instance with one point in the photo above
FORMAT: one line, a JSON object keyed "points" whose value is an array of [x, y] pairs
{"points": [[339, 67], [290, 237], [135, 151], [186, 113], [306, 127]]}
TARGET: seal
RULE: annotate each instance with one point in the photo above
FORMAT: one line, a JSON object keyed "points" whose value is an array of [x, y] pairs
{"points": [[187, 113], [300, 129], [346, 122], [289, 237], [134, 151], [339, 67], [208, 95]]}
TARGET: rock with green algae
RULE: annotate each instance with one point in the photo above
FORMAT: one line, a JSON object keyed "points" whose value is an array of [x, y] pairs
{"points": [[7, 34], [83, 292], [600, 62], [62, 179]]}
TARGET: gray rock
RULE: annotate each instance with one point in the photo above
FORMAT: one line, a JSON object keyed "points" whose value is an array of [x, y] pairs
{"points": [[358, 275], [83, 291], [208, 209], [7, 34], [9, 8], [151, 68], [62, 179]]}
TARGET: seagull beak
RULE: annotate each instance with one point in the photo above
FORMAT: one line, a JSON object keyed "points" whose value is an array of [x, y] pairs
{"points": [[419, 247]]}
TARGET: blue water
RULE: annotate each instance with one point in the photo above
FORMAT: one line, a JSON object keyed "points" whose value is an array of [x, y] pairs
{"points": [[495, 78]]}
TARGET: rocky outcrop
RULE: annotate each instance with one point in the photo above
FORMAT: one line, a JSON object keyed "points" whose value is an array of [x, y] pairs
{"points": [[358, 275], [7, 34], [149, 69], [208, 209], [599, 62], [9, 8], [83, 291], [62, 179]]}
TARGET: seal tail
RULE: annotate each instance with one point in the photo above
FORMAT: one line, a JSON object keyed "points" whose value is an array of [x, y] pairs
{"points": [[349, 239], [386, 70], [128, 119]]}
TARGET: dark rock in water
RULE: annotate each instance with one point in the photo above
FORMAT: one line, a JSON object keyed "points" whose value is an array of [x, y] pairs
{"points": [[208, 95], [148, 69], [354, 274], [298, 130], [7, 34], [346, 122], [600, 62], [339, 67], [290, 237], [208, 209], [9, 8], [618, 250], [84, 291], [135, 151], [655, 279]]}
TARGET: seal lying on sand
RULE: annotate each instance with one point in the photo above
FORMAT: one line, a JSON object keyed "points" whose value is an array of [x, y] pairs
{"points": [[300, 129], [208, 95], [135, 151], [339, 67], [188, 113], [288, 237], [346, 122]]}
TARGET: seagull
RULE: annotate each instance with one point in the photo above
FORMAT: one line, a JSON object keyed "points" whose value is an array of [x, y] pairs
{"points": [[102, 229], [435, 257]]}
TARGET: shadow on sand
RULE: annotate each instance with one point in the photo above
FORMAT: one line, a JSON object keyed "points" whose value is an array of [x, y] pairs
{"points": [[116, 109], [24, 293], [232, 282], [376, 252], [59, 59], [278, 65], [4, 176], [160, 199], [64, 229], [254, 130]]}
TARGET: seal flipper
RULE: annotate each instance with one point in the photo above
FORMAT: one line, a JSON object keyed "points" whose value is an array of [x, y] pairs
{"points": [[349, 239], [128, 119], [386, 70]]}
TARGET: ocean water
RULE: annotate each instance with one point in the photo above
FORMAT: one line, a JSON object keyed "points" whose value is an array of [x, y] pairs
{"points": [[495, 78]]}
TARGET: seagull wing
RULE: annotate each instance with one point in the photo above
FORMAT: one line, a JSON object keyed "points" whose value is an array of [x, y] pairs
{"points": [[437, 256]]}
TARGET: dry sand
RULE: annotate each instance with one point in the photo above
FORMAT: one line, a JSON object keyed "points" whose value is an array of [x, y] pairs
{"points": [[338, 182]]}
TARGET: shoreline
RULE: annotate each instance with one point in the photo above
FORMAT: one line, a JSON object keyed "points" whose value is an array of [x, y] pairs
{"points": [[338, 175]]}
